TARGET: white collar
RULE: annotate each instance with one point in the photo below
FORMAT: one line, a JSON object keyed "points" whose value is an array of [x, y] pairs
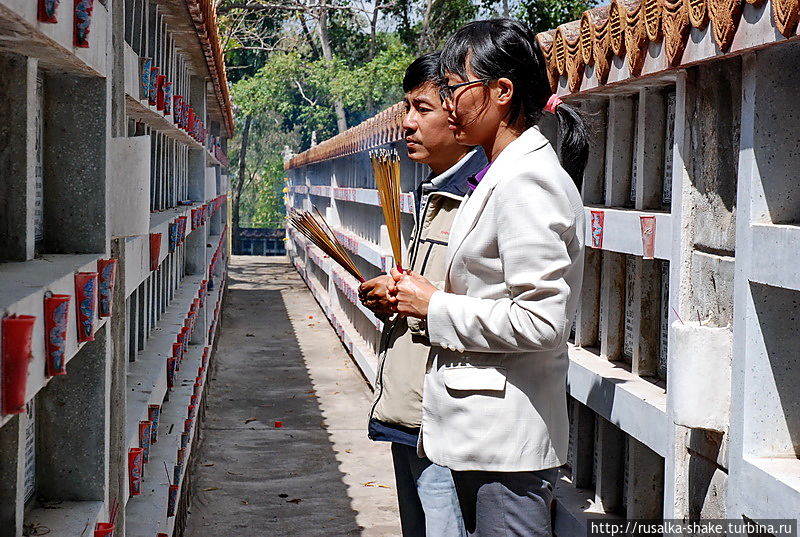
{"points": [[437, 181]]}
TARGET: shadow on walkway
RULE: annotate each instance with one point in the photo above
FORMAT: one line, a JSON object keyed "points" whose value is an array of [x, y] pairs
{"points": [[279, 360]]}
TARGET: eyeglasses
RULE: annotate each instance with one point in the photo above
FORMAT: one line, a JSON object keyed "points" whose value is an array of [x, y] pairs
{"points": [[446, 92]]}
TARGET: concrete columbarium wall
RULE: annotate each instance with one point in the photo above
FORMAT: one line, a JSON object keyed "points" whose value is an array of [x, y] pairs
{"points": [[682, 368], [85, 159]]}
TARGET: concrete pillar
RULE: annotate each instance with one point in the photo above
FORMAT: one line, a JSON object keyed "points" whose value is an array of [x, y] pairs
{"points": [[197, 96], [11, 477], [608, 465], [197, 175], [17, 157], [612, 305], [619, 151], [650, 149], [118, 116], [581, 445], [196, 252], [588, 318], [118, 328], [75, 143], [73, 427], [645, 494], [141, 325], [645, 315]]}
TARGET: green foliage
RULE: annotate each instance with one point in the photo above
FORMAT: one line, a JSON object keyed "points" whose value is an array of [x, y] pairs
{"points": [[447, 16], [543, 15], [301, 92], [269, 207], [377, 82]]}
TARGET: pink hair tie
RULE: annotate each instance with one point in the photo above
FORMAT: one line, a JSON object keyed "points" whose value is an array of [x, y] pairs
{"points": [[552, 103]]}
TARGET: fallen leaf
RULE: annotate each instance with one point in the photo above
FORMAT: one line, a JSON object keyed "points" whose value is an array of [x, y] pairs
{"points": [[348, 450], [208, 465], [283, 495], [233, 473], [248, 420], [249, 335], [244, 502], [209, 489], [294, 500]]}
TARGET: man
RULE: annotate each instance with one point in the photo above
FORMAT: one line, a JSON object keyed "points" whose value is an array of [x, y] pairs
{"points": [[426, 494]]}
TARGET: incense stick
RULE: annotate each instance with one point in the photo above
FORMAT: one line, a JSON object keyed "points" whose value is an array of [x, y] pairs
{"points": [[324, 238], [386, 168]]}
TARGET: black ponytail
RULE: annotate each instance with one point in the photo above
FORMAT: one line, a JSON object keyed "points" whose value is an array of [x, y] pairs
{"points": [[574, 142], [505, 48]]}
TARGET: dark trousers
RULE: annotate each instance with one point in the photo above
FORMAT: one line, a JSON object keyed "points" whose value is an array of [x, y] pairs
{"points": [[507, 504]]}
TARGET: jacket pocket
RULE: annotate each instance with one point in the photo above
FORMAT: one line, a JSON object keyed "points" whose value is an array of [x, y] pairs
{"points": [[474, 378]]}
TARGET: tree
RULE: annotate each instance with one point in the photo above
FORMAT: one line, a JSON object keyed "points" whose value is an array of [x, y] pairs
{"points": [[543, 15]]}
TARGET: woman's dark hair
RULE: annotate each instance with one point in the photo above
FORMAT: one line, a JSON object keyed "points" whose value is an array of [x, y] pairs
{"points": [[422, 70], [505, 48]]}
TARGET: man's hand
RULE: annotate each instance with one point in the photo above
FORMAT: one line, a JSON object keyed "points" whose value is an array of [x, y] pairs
{"points": [[377, 294], [412, 293]]}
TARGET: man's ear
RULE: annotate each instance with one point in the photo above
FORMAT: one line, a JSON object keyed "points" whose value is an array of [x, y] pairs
{"points": [[505, 91]]}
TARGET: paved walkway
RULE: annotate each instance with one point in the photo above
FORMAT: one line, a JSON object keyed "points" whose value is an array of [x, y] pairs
{"points": [[278, 359]]}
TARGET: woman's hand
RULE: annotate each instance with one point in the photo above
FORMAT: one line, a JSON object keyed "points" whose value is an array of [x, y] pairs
{"points": [[412, 294], [377, 295]]}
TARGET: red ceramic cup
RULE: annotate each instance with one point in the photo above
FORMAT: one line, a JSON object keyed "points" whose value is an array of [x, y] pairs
{"points": [[103, 529], [107, 271], [17, 336], [153, 414], [172, 501], [56, 314], [135, 467], [597, 224], [155, 250], [86, 302], [145, 431], [160, 79], [172, 364]]}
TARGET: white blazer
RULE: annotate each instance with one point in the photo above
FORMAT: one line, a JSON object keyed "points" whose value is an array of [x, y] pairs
{"points": [[495, 391]]}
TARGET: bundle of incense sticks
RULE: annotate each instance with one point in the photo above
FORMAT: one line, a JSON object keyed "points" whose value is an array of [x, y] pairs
{"points": [[322, 235], [386, 167]]}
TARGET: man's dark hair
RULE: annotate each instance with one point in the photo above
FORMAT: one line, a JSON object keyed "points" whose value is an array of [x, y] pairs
{"points": [[423, 69]]}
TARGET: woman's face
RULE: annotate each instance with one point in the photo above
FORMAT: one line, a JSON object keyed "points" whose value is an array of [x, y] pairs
{"points": [[474, 111]]}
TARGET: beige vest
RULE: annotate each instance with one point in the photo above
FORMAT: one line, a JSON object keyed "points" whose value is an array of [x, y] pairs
{"points": [[404, 344]]}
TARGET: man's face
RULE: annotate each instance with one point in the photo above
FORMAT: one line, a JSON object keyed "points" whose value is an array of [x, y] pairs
{"points": [[427, 135]]}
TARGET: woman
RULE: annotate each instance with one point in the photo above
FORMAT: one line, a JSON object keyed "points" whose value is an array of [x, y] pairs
{"points": [[494, 399]]}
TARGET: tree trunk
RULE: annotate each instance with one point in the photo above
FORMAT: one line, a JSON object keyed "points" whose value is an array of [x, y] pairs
{"points": [[373, 47], [505, 8], [425, 43], [241, 179], [308, 37], [327, 53]]}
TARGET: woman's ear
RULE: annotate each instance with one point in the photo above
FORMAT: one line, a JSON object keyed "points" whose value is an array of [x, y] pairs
{"points": [[505, 91]]}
